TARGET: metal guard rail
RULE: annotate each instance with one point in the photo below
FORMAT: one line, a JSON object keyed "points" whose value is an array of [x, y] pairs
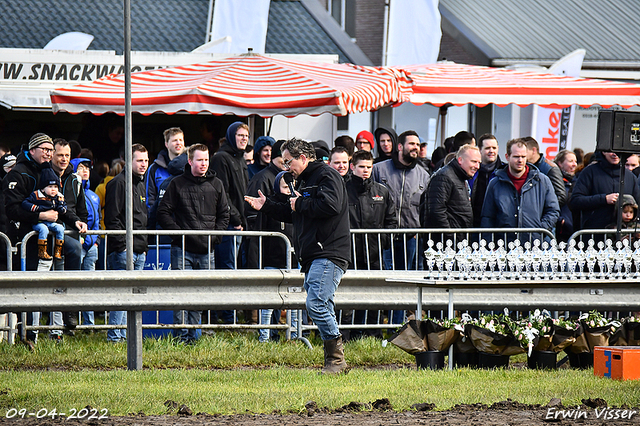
{"points": [[279, 288]]}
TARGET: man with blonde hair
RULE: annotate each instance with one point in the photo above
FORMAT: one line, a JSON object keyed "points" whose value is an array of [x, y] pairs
{"points": [[170, 162], [193, 200]]}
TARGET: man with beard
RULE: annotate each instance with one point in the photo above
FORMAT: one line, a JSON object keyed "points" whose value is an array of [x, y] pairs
{"points": [[491, 163], [520, 196], [406, 183]]}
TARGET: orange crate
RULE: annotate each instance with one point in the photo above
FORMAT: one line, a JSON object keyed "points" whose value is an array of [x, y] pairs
{"points": [[617, 362]]}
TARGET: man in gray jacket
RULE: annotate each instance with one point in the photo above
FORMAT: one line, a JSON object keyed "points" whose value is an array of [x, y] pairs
{"points": [[406, 183]]}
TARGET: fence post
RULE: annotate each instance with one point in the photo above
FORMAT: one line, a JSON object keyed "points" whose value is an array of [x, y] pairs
{"points": [[134, 340]]}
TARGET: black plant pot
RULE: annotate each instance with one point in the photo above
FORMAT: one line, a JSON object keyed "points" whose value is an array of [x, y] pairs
{"points": [[469, 359], [582, 360], [490, 361], [543, 360], [433, 360]]}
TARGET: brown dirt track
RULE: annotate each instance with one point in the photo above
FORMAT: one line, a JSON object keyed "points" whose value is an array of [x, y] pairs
{"points": [[375, 414]]}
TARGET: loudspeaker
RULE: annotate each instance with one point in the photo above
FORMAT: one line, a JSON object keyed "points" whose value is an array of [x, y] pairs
{"points": [[618, 131]]}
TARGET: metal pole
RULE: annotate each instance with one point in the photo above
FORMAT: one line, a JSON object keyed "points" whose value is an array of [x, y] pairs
{"points": [[623, 169], [450, 307], [134, 323]]}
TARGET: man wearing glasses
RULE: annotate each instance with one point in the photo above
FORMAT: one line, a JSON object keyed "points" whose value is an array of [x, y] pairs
{"points": [[231, 168], [319, 212], [21, 181]]}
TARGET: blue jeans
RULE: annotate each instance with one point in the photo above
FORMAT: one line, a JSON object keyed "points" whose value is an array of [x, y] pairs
{"points": [[400, 264], [43, 228], [191, 261], [266, 317], [226, 253], [321, 283], [117, 261], [88, 259]]}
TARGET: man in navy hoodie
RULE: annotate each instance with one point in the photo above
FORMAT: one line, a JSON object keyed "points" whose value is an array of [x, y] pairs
{"points": [[231, 168]]}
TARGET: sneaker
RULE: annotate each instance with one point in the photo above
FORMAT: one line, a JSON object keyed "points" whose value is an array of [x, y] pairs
{"points": [[56, 338]]}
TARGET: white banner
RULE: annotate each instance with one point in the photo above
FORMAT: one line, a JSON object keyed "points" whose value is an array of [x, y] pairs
{"points": [[414, 32], [553, 127], [245, 22]]}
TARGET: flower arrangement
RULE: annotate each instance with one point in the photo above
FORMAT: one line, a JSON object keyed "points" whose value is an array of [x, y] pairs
{"points": [[564, 323], [594, 319]]}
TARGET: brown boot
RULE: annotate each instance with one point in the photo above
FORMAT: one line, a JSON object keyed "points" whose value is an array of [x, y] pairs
{"points": [[334, 362], [57, 249], [42, 250]]}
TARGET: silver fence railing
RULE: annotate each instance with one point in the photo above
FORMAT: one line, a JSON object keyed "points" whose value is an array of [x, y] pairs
{"points": [[384, 318], [401, 239], [602, 234], [157, 248]]}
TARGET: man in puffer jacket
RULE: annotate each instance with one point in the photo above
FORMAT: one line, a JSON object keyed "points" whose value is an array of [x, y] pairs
{"points": [[449, 198], [520, 196]]}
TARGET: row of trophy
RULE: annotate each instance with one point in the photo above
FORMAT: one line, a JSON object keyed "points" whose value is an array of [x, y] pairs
{"points": [[537, 261]]}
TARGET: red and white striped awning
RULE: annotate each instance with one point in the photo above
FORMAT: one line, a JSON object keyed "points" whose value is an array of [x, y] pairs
{"points": [[242, 85], [458, 84]]}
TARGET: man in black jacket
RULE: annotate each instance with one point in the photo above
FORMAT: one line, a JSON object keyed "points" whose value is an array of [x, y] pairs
{"points": [[194, 200], [114, 218], [370, 207], [231, 169], [449, 197], [320, 214], [19, 183], [549, 168], [491, 163], [74, 197]]}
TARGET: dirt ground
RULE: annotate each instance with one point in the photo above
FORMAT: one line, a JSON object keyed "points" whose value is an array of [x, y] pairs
{"points": [[380, 412]]}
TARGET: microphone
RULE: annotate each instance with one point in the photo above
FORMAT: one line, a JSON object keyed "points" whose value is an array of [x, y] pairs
{"points": [[288, 179]]}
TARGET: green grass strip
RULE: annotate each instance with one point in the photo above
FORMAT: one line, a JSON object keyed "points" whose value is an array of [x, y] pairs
{"points": [[232, 373]]}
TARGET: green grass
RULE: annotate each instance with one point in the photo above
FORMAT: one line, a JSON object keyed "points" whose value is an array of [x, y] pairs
{"points": [[213, 377]]}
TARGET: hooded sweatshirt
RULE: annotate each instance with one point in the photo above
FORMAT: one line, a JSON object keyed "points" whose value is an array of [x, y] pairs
{"points": [[93, 207], [261, 142], [231, 169], [394, 142]]}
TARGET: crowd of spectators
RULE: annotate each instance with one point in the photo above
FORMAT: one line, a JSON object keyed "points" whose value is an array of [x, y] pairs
{"points": [[52, 184]]}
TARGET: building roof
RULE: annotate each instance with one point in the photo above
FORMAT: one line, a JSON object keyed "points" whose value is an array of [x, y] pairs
{"points": [[544, 29], [166, 25]]}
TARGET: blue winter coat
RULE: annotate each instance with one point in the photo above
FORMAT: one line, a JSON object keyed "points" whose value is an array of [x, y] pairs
{"points": [[535, 207], [93, 222]]}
